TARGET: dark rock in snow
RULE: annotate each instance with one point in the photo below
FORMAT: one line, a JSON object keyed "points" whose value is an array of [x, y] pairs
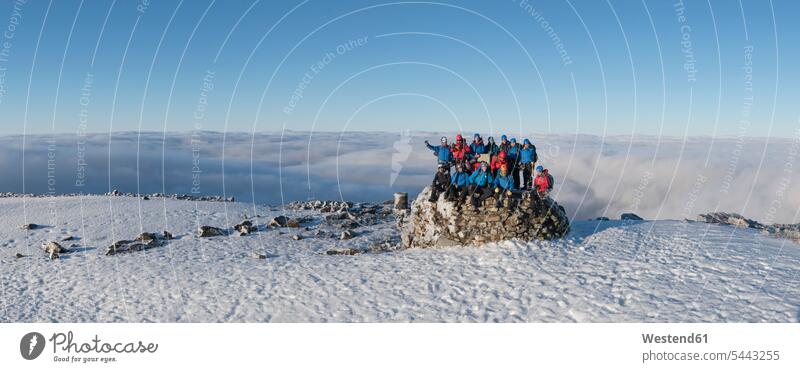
{"points": [[630, 217], [245, 227], [602, 219], [279, 221], [343, 252], [209, 231], [53, 249], [19, 255], [347, 234], [733, 219], [30, 226]]}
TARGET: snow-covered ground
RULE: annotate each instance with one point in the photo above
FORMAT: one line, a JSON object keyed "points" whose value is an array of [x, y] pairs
{"points": [[611, 271]]}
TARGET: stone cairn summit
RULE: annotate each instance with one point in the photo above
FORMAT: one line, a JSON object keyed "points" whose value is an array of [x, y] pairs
{"points": [[443, 223]]}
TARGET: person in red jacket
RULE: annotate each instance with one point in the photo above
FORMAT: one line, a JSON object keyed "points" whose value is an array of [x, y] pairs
{"points": [[498, 161], [461, 152], [543, 182]]}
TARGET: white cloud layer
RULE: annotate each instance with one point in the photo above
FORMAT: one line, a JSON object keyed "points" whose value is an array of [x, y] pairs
{"points": [[656, 178]]}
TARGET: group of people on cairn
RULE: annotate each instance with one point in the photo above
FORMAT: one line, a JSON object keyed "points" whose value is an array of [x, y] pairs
{"points": [[484, 170]]}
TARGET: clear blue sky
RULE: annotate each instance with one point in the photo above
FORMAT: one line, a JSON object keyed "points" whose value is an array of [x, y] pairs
{"points": [[596, 67]]}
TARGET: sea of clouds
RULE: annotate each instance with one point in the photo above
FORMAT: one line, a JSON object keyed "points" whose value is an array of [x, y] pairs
{"points": [[655, 177]]}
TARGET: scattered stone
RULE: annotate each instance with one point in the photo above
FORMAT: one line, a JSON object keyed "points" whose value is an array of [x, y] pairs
{"points": [[145, 197], [146, 236], [630, 217], [347, 234], [167, 235], [279, 221], [733, 219], [259, 256], [30, 226], [53, 249], [343, 252], [68, 238], [401, 200], [297, 237], [209, 231], [19, 255], [244, 228], [294, 223], [602, 219]]}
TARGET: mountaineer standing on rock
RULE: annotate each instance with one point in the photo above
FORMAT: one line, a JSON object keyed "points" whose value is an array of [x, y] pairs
{"points": [[461, 151], [499, 161], [527, 160], [543, 182], [492, 149], [441, 182], [477, 146], [480, 184], [442, 152], [458, 184], [512, 156], [503, 185]]}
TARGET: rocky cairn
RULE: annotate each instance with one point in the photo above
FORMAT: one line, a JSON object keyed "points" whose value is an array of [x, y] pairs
{"points": [[443, 223]]}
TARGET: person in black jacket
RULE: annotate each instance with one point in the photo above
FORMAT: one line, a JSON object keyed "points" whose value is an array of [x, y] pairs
{"points": [[441, 182]]}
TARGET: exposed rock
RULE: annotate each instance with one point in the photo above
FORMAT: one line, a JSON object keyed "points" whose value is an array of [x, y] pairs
{"points": [[279, 221], [785, 231], [630, 217], [19, 255], [68, 238], [30, 226], [146, 236], [167, 235], [602, 219], [245, 227], [344, 252], [53, 249], [347, 234], [297, 237], [444, 223], [259, 256], [733, 219], [209, 231]]}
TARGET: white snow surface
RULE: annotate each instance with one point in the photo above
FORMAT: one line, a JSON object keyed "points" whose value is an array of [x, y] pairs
{"points": [[615, 271]]}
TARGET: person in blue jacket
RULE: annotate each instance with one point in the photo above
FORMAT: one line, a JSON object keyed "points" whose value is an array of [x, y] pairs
{"points": [[458, 184], [527, 161], [442, 152], [491, 148], [503, 186], [480, 184], [512, 158], [477, 146]]}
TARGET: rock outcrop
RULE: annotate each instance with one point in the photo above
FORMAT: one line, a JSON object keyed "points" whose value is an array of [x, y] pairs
{"points": [[734, 219], [443, 223]]}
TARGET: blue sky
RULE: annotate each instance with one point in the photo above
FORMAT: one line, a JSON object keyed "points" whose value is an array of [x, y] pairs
{"points": [[598, 67]]}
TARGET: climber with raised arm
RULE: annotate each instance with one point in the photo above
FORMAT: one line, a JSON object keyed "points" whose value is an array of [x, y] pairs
{"points": [[442, 152]]}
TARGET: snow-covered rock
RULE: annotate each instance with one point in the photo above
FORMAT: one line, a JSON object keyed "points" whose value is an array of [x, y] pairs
{"points": [[734, 219], [630, 217], [442, 223]]}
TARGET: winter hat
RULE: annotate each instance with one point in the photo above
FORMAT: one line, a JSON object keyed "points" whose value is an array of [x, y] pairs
{"points": [[539, 168], [490, 139], [513, 140], [526, 141], [476, 135], [504, 138], [444, 140], [502, 154], [459, 138]]}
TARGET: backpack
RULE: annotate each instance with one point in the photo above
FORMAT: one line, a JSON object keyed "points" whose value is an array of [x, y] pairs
{"points": [[550, 180]]}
